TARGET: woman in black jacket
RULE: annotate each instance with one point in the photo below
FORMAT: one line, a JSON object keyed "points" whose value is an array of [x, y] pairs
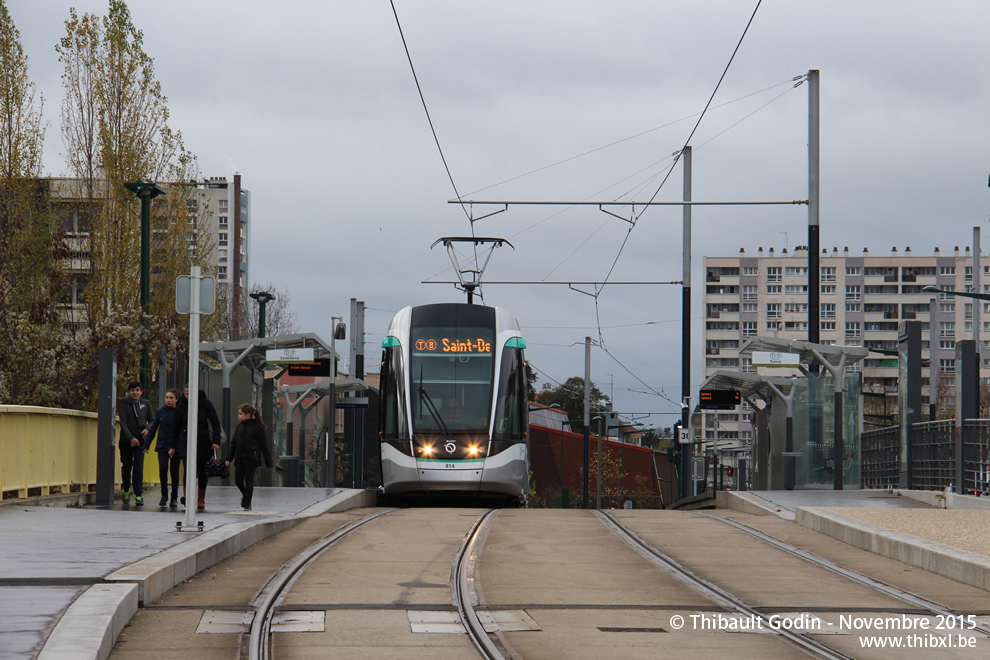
{"points": [[248, 446], [208, 432]]}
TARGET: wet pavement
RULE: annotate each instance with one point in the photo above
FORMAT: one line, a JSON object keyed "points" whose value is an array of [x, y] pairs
{"points": [[49, 556]]}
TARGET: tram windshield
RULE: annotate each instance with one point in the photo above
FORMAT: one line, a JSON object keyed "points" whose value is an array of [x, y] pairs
{"points": [[451, 379]]}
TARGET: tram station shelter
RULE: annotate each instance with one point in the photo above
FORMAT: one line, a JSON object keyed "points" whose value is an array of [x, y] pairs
{"points": [[802, 400], [249, 374]]}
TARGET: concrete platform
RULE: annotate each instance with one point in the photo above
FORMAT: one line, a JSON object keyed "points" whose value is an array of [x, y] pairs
{"points": [[71, 578], [815, 510]]}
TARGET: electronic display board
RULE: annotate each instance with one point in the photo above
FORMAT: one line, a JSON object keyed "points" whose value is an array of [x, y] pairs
{"points": [[719, 399]]}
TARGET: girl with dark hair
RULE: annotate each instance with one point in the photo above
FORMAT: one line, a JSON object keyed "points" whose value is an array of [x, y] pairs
{"points": [[247, 447], [165, 424]]}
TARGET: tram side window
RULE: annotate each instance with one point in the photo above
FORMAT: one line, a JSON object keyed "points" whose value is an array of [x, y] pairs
{"points": [[394, 424], [510, 416]]}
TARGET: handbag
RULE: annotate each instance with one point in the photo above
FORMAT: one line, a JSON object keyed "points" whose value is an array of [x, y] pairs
{"points": [[217, 468]]}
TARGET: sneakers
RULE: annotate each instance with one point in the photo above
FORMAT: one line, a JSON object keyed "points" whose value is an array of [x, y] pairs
{"points": [[138, 500], [125, 495]]}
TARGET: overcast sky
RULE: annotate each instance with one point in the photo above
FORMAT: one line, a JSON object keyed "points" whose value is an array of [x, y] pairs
{"points": [[314, 104]]}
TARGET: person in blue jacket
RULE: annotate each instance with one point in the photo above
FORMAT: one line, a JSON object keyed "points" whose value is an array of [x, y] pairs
{"points": [[166, 426]]}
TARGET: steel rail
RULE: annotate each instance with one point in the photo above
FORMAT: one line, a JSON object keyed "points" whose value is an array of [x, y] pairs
{"points": [[715, 592], [278, 586], [463, 593], [855, 576]]}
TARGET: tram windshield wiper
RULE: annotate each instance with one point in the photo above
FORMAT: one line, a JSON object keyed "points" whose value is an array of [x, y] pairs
{"points": [[425, 396], [433, 410]]}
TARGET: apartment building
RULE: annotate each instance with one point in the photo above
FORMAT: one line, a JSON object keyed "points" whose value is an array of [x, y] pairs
{"points": [[220, 212], [863, 298]]}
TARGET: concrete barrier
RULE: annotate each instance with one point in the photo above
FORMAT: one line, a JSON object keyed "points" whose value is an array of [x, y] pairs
{"points": [[953, 563]]}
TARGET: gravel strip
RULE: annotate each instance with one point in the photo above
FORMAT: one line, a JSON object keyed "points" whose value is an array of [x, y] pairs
{"points": [[959, 528]]}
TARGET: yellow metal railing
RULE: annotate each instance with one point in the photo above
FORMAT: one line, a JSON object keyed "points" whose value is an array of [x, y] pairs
{"points": [[44, 451]]}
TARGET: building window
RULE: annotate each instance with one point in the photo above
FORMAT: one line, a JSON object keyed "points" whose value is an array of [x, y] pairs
{"points": [[947, 344], [751, 270], [773, 325], [773, 289], [773, 310], [223, 222], [852, 307], [828, 310], [828, 326], [796, 289], [969, 274], [223, 238], [749, 329], [853, 292], [947, 329], [947, 270], [828, 289], [222, 256], [828, 273], [796, 308], [773, 274], [222, 204], [796, 271], [947, 308], [947, 366], [750, 307], [750, 292], [853, 329], [222, 272], [853, 271]]}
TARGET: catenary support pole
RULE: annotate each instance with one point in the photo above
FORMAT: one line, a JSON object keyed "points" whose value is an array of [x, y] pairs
{"points": [[587, 418], [687, 453]]}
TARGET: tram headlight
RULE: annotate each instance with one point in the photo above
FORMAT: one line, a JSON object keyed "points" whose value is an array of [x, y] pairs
{"points": [[427, 450], [473, 450]]}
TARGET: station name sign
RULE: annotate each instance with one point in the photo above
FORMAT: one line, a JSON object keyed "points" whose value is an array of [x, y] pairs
{"points": [[775, 359], [447, 345], [288, 355], [719, 399]]}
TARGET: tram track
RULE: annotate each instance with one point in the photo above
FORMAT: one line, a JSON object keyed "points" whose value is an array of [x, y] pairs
{"points": [[717, 594], [462, 587], [910, 599]]}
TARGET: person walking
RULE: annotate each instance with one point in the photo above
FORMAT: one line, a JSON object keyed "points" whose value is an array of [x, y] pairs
{"points": [[247, 447], [134, 413], [165, 425], [207, 443]]}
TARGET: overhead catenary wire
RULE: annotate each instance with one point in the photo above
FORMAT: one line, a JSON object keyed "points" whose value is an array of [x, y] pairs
{"points": [[426, 109]]}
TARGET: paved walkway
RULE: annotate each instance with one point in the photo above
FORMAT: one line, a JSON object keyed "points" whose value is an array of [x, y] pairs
{"points": [[49, 557]]}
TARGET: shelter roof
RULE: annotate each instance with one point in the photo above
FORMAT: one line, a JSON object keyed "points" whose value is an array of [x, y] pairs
{"points": [[751, 386], [256, 358], [805, 349]]}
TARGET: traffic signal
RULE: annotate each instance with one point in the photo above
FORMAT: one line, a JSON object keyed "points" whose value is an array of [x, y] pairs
{"points": [[730, 470]]}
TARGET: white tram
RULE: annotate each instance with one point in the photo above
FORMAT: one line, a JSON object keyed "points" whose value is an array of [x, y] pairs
{"points": [[454, 408]]}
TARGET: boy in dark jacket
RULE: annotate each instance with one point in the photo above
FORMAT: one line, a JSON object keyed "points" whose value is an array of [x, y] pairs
{"points": [[134, 413]]}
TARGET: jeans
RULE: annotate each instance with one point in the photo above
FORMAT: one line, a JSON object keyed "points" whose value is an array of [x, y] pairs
{"points": [[168, 471], [131, 468], [244, 479]]}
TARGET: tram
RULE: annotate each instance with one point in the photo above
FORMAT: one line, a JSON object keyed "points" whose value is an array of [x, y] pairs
{"points": [[454, 416]]}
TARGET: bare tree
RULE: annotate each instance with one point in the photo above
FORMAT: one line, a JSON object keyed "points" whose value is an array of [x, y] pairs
{"points": [[279, 318]]}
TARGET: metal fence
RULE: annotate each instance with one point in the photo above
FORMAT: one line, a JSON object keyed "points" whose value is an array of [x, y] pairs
{"points": [[940, 457]]}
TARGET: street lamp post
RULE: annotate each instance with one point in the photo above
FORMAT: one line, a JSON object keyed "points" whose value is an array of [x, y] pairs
{"points": [[263, 298], [145, 192]]}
